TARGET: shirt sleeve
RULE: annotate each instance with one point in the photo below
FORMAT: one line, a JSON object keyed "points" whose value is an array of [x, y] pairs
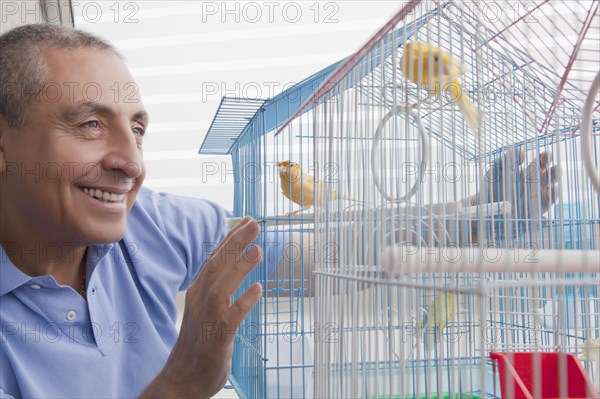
{"points": [[198, 232], [4, 395]]}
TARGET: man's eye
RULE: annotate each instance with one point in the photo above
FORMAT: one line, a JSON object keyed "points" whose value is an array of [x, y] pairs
{"points": [[139, 131], [91, 124]]}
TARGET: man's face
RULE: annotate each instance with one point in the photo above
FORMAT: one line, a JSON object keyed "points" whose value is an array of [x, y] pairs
{"points": [[82, 139]]}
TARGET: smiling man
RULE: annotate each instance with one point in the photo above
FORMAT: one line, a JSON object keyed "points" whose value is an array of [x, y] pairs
{"points": [[91, 261]]}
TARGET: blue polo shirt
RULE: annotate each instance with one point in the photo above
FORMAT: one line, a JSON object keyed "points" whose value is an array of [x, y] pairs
{"points": [[55, 344]]}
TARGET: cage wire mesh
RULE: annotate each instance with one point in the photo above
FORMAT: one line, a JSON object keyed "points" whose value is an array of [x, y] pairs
{"points": [[451, 258]]}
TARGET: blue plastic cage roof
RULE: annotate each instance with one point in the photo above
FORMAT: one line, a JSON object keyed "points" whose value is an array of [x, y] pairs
{"points": [[234, 115]]}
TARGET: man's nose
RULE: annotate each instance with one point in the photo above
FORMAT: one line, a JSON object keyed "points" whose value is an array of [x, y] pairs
{"points": [[124, 152]]}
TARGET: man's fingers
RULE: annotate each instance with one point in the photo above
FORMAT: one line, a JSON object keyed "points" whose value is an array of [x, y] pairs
{"points": [[235, 228], [510, 180], [219, 287], [544, 160], [551, 197], [510, 161], [231, 277], [520, 154], [212, 267], [553, 175], [227, 253], [240, 309], [230, 250]]}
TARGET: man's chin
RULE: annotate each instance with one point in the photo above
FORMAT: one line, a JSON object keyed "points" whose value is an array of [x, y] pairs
{"points": [[109, 234]]}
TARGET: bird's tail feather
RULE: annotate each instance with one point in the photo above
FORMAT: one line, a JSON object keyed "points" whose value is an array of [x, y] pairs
{"points": [[334, 195], [471, 113], [347, 198]]}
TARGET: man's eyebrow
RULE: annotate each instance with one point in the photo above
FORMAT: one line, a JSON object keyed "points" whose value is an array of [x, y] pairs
{"points": [[141, 116], [84, 108]]}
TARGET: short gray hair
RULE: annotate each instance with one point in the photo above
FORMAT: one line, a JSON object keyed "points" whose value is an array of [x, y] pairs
{"points": [[23, 68]]}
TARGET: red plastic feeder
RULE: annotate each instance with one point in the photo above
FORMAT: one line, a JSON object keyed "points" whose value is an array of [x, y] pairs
{"points": [[517, 375]]}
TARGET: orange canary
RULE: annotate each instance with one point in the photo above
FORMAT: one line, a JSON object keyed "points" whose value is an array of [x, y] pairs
{"points": [[299, 187]]}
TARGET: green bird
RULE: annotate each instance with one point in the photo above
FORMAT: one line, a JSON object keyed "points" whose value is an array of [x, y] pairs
{"points": [[442, 311]]}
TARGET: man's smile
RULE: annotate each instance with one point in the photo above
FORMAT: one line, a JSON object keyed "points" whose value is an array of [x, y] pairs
{"points": [[103, 195]]}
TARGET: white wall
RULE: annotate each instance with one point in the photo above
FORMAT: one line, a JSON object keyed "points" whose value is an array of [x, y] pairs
{"points": [[15, 13]]}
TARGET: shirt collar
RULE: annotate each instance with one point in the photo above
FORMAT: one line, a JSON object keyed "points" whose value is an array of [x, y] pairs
{"points": [[11, 277]]}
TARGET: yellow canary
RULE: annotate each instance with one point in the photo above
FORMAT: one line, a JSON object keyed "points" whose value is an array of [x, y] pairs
{"points": [[441, 312], [436, 69], [300, 187]]}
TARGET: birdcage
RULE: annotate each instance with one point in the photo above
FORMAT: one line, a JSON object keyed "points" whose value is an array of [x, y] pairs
{"points": [[455, 161], [274, 348]]}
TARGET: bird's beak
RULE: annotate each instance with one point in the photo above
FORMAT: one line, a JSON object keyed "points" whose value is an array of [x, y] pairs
{"points": [[283, 167]]}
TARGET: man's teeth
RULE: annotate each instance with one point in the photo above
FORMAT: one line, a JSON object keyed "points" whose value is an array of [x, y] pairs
{"points": [[103, 196]]}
